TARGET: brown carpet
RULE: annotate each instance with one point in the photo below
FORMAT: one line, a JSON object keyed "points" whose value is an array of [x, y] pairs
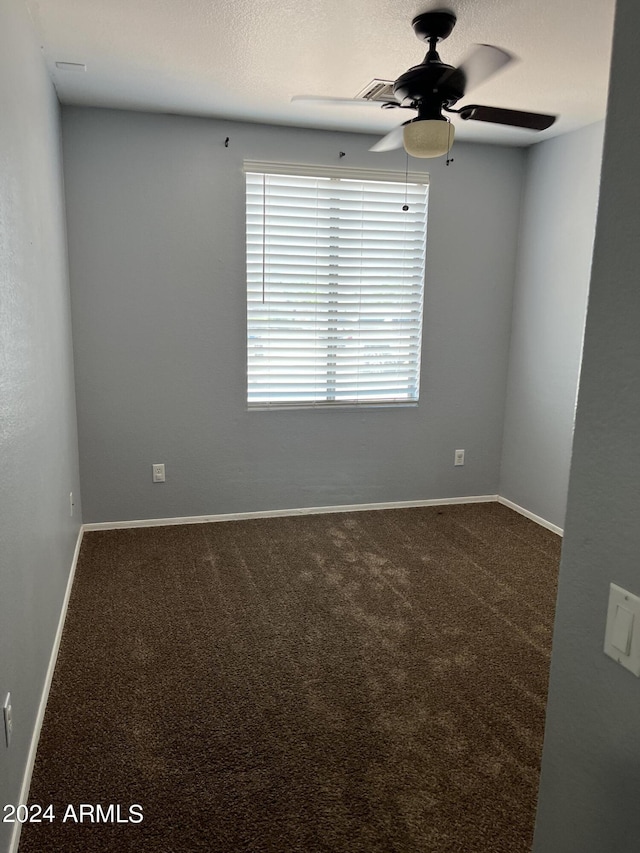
{"points": [[370, 682]]}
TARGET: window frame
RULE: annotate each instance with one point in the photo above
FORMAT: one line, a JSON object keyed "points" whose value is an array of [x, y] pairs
{"points": [[403, 178]]}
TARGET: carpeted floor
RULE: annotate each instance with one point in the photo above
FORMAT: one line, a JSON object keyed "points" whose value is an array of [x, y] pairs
{"points": [[371, 682]]}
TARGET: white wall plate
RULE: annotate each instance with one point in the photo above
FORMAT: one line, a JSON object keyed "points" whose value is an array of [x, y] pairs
{"points": [[622, 634]]}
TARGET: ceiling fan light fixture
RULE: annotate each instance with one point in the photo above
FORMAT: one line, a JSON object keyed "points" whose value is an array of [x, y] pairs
{"points": [[428, 137]]}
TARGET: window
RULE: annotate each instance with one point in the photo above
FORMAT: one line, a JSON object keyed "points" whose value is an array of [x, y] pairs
{"points": [[335, 281]]}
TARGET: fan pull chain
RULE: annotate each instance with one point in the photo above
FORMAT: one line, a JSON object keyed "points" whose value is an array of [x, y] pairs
{"points": [[449, 159], [264, 232], [405, 206]]}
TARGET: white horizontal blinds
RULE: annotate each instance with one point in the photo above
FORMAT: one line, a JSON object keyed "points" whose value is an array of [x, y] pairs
{"points": [[335, 276]]}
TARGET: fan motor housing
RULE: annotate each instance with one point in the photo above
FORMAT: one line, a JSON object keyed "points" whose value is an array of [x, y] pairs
{"points": [[421, 85]]}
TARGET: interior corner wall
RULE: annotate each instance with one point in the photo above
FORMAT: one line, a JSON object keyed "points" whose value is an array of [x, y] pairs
{"points": [[549, 306], [38, 443], [588, 800], [156, 219]]}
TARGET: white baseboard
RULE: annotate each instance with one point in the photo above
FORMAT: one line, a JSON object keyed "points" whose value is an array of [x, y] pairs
{"points": [[35, 737], [281, 513], [532, 516]]}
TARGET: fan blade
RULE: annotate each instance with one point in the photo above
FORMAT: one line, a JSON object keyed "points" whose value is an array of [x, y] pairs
{"points": [[515, 118], [482, 62], [392, 140], [339, 102]]}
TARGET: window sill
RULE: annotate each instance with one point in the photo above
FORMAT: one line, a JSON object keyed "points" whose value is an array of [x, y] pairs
{"points": [[335, 407]]}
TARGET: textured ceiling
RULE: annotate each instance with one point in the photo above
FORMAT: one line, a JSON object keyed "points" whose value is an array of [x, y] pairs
{"points": [[245, 59]]}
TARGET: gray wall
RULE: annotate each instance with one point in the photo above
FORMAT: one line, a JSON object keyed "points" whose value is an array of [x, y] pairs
{"points": [[156, 222], [38, 449], [550, 300], [591, 764]]}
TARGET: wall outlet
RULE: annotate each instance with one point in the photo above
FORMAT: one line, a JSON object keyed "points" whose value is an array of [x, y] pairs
{"points": [[8, 721], [158, 472], [458, 458]]}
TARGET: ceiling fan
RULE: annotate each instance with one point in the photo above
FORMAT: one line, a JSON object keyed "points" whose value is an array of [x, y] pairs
{"points": [[433, 87]]}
